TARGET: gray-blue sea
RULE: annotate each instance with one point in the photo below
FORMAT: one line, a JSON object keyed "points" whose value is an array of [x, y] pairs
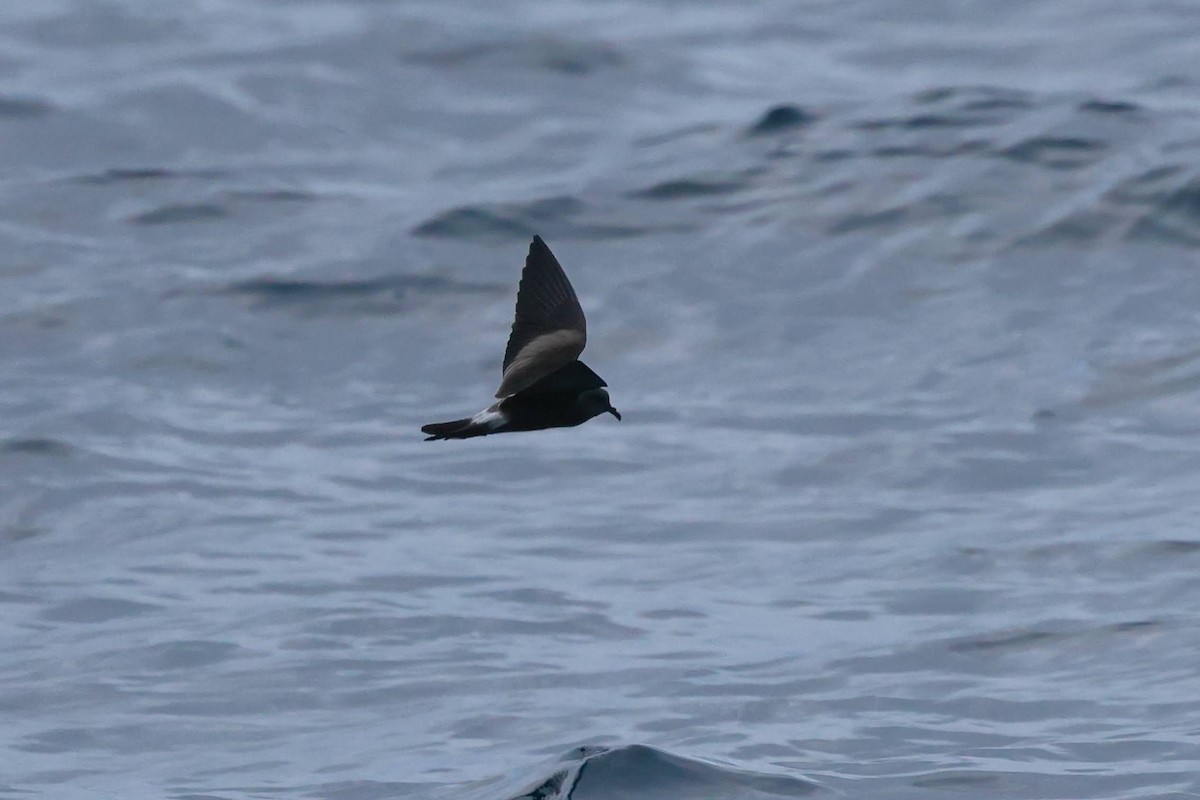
{"points": [[900, 302]]}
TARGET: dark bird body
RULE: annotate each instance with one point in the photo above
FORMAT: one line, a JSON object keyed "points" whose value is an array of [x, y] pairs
{"points": [[544, 384]]}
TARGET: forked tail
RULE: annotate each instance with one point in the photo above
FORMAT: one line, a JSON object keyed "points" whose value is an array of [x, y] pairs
{"points": [[458, 429]]}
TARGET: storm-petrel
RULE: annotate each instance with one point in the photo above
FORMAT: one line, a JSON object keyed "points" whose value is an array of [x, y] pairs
{"points": [[544, 384]]}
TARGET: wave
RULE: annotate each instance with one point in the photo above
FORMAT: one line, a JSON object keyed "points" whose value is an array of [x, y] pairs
{"points": [[637, 771]]}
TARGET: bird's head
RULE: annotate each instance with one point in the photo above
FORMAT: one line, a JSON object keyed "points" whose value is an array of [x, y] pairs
{"points": [[595, 402]]}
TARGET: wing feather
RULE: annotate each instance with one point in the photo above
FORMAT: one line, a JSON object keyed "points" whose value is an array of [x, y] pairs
{"points": [[549, 330]]}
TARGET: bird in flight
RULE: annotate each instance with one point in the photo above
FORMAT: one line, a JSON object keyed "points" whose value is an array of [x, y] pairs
{"points": [[544, 384]]}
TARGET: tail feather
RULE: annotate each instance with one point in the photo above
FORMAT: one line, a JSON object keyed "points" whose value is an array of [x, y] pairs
{"points": [[457, 429]]}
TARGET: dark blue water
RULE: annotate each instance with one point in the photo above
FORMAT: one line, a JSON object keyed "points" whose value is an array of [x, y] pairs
{"points": [[899, 302]]}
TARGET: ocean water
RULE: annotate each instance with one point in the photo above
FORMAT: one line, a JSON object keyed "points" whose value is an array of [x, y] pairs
{"points": [[899, 301]]}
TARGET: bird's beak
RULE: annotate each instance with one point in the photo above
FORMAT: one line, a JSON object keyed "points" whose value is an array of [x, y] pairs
{"points": [[614, 412]]}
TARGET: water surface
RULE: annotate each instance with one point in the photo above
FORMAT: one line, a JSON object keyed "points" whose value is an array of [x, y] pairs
{"points": [[898, 301]]}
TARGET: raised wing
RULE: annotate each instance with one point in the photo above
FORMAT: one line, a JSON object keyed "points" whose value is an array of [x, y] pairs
{"points": [[549, 331]]}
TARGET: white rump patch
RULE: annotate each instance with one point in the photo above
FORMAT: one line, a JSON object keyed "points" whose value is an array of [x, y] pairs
{"points": [[490, 418]]}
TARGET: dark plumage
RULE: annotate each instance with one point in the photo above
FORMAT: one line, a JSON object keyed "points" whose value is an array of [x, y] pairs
{"points": [[544, 384]]}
